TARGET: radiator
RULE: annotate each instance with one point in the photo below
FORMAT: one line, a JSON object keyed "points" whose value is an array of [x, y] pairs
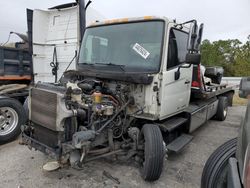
{"points": [[47, 108]]}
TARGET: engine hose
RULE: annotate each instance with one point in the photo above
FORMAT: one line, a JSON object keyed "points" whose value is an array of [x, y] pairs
{"points": [[111, 119], [93, 125], [113, 99]]}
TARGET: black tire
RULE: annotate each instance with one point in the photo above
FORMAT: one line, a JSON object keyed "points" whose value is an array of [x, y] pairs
{"points": [[153, 152], [13, 117], [214, 173], [230, 96], [222, 109]]}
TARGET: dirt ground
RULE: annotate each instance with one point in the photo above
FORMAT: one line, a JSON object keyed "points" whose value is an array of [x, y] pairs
{"points": [[21, 167]]}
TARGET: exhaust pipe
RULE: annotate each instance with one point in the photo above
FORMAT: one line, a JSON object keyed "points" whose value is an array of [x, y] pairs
{"points": [[82, 14]]}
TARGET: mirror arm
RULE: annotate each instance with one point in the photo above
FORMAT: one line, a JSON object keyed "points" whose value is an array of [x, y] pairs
{"points": [[177, 73]]}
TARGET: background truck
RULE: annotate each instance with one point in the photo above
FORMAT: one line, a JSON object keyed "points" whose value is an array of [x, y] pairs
{"points": [[15, 76], [137, 92], [51, 44]]}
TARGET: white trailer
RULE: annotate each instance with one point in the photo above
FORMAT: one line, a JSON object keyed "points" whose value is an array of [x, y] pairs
{"points": [[56, 35]]}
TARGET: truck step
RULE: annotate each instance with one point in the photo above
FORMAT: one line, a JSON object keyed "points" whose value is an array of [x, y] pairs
{"points": [[172, 124], [179, 143]]}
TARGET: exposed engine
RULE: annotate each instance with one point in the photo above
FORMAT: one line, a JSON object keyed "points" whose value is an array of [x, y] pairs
{"points": [[98, 108], [84, 117]]}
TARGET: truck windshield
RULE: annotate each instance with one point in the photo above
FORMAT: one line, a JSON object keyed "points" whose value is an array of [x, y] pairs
{"points": [[127, 47]]}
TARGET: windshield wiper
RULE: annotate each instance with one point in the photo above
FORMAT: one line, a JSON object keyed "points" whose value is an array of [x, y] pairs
{"points": [[112, 64], [87, 64]]}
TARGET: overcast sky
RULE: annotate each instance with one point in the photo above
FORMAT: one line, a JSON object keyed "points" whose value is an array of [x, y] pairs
{"points": [[223, 19]]}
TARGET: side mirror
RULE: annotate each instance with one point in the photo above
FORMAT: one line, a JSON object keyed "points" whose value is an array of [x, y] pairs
{"points": [[192, 35], [244, 89], [195, 36], [193, 59], [198, 41]]}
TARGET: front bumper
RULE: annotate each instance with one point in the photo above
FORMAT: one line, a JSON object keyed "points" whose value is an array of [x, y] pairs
{"points": [[37, 145], [233, 177], [42, 139]]}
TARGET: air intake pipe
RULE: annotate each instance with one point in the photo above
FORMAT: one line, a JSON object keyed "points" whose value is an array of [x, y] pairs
{"points": [[82, 18]]}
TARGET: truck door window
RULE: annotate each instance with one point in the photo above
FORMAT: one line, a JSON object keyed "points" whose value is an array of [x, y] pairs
{"points": [[177, 48]]}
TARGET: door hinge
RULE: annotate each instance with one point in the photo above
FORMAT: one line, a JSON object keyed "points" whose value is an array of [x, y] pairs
{"points": [[160, 76]]}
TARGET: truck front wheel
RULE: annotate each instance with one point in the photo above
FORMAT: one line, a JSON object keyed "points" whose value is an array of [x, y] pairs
{"points": [[12, 116], [153, 152]]}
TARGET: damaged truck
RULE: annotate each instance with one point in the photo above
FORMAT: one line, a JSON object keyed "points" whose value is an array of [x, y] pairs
{"points": [[138, 91]]}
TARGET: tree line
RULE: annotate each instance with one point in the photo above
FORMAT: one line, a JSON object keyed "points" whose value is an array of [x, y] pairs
{"points": [[232, 55]]}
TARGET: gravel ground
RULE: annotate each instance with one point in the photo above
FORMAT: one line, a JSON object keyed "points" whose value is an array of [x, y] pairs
{"points": [[21, 167]]}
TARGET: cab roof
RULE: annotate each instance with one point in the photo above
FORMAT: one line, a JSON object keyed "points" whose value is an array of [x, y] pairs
{"points": [[127, 20], [135, 19]]}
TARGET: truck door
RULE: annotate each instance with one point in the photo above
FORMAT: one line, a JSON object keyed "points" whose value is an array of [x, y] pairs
{"points": [[175, 94]]}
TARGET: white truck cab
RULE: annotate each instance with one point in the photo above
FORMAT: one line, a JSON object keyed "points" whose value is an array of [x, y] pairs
{"points": [[164, 48], [137, 92]]}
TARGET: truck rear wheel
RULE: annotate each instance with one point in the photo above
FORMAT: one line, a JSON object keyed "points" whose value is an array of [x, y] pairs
{"points": [[222, 109], [12, 116], [153, 152], [214, 173]]}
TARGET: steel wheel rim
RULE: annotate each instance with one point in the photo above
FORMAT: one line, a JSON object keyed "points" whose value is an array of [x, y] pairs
{"points": [[8, 120]]}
